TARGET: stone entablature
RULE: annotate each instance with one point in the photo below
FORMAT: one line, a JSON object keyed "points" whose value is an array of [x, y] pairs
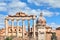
{"points": [[21, 14]]}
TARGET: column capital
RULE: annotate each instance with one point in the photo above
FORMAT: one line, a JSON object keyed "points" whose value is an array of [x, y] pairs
{"points": [[22, 19], [12, 19], [17, 19], [6, 19], [28, 19], [33, 18]]}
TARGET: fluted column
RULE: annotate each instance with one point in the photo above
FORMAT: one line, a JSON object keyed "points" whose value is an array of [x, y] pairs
{"points": [[22, 29], [34, 29], [6, 24], [12, 26], [17, 29]]}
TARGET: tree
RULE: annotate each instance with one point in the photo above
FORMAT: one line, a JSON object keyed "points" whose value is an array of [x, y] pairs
{"points": [[53, 37]]}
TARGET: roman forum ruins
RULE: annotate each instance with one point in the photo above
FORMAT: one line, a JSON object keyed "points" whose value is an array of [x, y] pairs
{"points": [[20, 16], [39, 30]]}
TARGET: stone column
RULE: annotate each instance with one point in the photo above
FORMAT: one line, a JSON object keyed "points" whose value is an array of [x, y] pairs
{"points": [[6, 24], [22, 29], [34, 29], [29, 29], [12, 26], [45, 32], [17, 28]]}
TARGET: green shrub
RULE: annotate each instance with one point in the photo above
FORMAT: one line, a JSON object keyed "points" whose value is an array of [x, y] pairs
{"points": [[8, 38]]}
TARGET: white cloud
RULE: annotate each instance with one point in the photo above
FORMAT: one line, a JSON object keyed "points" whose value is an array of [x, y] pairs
{"points": [[57, 13], [2, 19], [22, 7], [29, 11], [53, 3], [17, 4], [15, 7], [54, 25], [38, 11], [8, 0], [3, 6], [47, 13], [3, 9]]}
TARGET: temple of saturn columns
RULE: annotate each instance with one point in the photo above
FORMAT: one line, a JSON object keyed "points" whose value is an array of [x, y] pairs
{"points": [[17, 17]]}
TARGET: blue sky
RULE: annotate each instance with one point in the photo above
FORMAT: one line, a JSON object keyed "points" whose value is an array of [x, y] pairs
{"points": [[49, 8]]}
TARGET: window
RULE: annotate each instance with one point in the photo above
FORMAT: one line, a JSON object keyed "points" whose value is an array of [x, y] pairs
{"points": [[15, 29], [42, 33], [10, 29], [19, 29], [25, 34]]}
